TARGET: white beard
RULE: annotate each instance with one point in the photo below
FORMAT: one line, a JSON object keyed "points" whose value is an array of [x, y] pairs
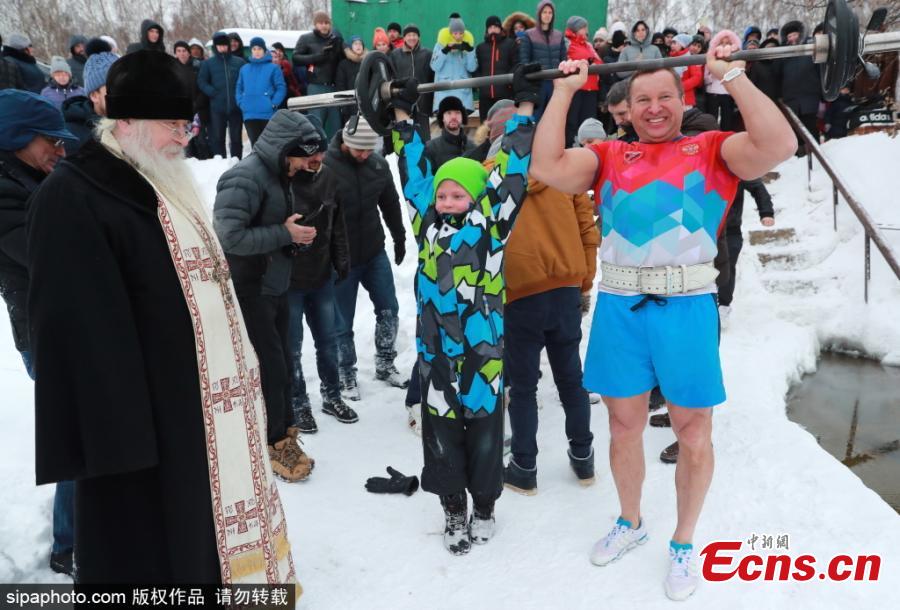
{"points": [[170, 175]]}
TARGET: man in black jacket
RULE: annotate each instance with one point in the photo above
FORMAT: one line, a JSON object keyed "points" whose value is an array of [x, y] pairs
{"points": [[412, 60], [18, 51], [452, 143], [496, 55], [315, 269], [79, 57], [364, 185], [319, 52], [152, 38], [253, 217], [10, 77], [82, 113], [31, 136], [799, 82]]}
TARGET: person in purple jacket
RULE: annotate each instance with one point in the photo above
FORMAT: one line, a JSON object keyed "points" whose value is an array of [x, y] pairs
{"points": [[60, 87]]}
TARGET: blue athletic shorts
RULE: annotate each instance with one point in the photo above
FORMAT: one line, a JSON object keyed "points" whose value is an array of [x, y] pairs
{"points": [[672, 342]]}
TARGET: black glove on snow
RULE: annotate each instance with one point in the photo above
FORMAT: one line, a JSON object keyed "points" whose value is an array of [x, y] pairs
{"points": [[526, 90], [397, 484], [399, 252], [405, 95]]}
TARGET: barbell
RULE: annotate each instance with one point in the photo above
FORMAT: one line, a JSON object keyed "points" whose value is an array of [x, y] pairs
{"points": [[836, 51]]}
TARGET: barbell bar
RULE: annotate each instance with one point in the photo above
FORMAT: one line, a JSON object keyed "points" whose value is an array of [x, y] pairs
{"points": [[836, 51]]}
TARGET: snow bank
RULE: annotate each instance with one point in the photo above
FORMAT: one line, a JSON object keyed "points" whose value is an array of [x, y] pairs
{"points": [[358, 550]]}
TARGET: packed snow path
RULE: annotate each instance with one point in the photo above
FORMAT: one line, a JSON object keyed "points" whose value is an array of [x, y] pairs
{"points": [[358, 550]]}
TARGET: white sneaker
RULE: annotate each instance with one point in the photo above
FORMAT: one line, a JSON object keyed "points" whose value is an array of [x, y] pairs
{"points": [[414, 418], [594, 398], [724, 314], [619, 541], [481, 530], [683, 575]]}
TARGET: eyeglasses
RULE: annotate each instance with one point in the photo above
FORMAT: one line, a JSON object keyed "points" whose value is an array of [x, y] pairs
{"points": [[180, 133], [55, 142]]}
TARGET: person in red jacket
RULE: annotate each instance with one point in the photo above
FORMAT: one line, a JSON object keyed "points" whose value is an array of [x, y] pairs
{"points": [[584, 104], [278, 58], [691, 76]]}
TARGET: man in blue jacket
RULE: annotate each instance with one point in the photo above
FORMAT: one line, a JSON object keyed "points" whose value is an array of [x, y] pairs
{"points": [[218, 79]]}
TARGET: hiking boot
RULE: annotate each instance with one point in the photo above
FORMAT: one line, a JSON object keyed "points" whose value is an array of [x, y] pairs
{"points": [[304, 420], [288, 461], [414, 418], [340, 411], [520, 480], [481, 524], [62, 563], [660, 420], [657, 400], [621, 539], [349, 387], [456, 532], [583, 468], [294, 433], [683, 576], [392, 377], [669, 455]]}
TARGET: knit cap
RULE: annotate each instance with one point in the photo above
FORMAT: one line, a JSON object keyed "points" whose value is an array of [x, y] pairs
{"points": [[591, 129], [18, 41], [95, 69], [575, 23], [364, 138], [457, 25], [498, 115], [683, 39], [59, 64], [380, 36], [411, 27], [258, 41], [468, 173]]}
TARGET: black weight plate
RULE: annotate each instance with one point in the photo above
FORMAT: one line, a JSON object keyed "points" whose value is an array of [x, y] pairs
{"points": [[374, 71], [842, 29]]}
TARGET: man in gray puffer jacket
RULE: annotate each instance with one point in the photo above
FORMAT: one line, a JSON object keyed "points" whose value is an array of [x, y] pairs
{"points": [[253, 217]]}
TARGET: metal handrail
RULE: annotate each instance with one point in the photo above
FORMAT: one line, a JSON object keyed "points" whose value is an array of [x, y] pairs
{"points": [[873, 233]]}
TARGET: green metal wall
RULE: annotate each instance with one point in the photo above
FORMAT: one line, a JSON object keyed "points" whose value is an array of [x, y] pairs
{"points": [[355, 17]]}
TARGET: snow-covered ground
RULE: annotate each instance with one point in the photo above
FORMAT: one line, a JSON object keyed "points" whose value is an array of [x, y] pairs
{"points": [[358, 550]]}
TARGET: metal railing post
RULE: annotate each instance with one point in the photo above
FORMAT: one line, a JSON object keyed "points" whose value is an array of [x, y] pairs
{"points": [[834, 209], [868, 265], [873, 232]]}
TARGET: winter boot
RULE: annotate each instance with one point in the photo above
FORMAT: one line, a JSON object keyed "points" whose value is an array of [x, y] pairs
{"points": [[481, 524], [657, 400], [349, 386], [302, 415], [294, 433], [62, 563], [456, 533], [288, 462], [660, 420], [583, 468], [669, 455], [520, 480], [340, 411], [391, 376]]}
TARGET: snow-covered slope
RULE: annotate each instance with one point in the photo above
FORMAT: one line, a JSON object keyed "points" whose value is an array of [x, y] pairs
{"points": [[358, 550]]}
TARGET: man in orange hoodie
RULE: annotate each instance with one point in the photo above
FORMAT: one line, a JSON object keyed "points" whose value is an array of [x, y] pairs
{"points": [[550, 264]]}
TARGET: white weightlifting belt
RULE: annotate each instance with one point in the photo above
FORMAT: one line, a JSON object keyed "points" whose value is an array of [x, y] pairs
{"points": [[668, 280]]}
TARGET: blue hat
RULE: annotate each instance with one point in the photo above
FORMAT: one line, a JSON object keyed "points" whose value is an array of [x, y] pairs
{"points": [[24, 115], [257, 41], [95, 69]]}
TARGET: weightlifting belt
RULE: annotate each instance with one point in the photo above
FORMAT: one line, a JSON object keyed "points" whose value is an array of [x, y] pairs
{"points": [[666, 280]]}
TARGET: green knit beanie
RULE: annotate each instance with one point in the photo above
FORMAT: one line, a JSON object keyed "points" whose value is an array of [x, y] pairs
{"points": [[468, 173]]}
